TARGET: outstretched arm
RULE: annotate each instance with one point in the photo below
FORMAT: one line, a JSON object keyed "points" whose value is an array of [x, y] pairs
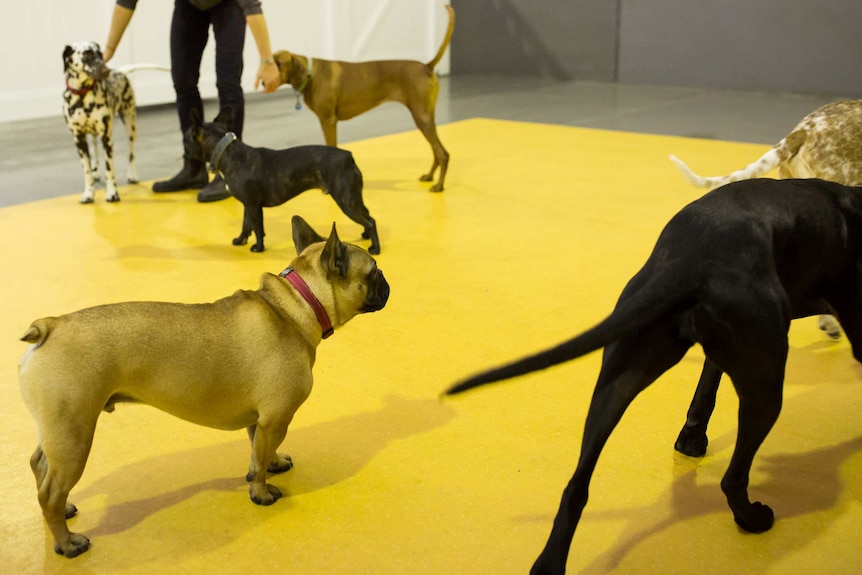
{"points": [[267, 72]]}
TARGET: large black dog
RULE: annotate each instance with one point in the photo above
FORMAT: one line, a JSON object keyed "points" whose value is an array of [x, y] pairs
{"points": [[729, 271], [263, 178]]}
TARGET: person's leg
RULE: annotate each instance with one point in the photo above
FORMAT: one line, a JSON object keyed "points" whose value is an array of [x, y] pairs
{"points": [[228, 21], [189, 32]]}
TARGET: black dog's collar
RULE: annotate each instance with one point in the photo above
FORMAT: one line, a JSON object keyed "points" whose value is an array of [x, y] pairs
{"points": [[222, 145], [304, 83], [290, 275]]}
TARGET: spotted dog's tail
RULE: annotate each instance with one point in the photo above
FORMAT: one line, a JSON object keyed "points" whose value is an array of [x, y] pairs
{"points": [[777, 155], [129, 68]]}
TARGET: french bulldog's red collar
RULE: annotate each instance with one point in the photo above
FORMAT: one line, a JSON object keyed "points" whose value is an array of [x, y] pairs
{"points": [[297, 282], [79, 91]]}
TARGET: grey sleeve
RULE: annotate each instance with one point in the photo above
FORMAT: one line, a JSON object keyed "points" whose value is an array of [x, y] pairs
{"points": [[249, 7]]}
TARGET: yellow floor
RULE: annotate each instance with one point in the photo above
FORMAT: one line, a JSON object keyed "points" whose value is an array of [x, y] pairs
{"points": [[535, 236]]}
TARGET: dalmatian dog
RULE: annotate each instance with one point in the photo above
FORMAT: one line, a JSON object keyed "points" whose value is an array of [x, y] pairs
{"points": [[94, 96]]}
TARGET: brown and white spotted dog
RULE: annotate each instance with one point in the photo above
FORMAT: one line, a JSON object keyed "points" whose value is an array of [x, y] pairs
{"points": [[94, 95], [826, 144]]}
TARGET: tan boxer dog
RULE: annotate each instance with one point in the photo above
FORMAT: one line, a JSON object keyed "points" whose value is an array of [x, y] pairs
{"points": [[242, 361], [337, 91]]}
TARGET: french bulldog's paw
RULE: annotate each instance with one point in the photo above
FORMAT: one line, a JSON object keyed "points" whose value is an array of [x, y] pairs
{"points": [[828, 324], [240, 241], [249, 477], [437, 187], [374, 250], [77, 544], [270, 496], [280, 463], [71, 511], [758, 518], [426, 177], [257, 248]]}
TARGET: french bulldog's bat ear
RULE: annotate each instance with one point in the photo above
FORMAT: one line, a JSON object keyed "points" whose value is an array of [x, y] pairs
{"points": [[303, 234], [225, 118], [334, 256]]}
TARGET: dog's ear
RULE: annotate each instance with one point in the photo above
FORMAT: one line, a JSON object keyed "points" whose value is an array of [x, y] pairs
{"points": [[303, 234], [225, 118], [334, 257], [67, 53]]}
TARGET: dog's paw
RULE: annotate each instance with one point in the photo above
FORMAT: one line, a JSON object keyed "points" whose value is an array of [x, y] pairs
{"points": [[280, 463], [270, 496], [830, 325], [374, 250], [758, 518], [113, 199], [691, 443], [86, 199], [426, 177], [437, 187], [77, 545], [257, 248], [71, 511], [240, 241]]}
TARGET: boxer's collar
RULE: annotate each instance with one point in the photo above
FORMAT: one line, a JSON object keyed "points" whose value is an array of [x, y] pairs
{"points": [[290, 275], [304, 83], [226, 140]]}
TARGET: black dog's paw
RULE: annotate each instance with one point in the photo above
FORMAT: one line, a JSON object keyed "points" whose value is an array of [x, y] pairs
{"points": [[374, 250], [758, 518], [240, 241], [691, 443], [257, 248]]}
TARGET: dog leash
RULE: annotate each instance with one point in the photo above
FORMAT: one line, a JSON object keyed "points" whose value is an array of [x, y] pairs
{"points": [[298, 91], [226, 140], [293, 278]]}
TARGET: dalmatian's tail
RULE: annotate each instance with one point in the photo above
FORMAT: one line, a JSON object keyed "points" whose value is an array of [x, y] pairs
{"points": [[777, 155], [129, 68]]}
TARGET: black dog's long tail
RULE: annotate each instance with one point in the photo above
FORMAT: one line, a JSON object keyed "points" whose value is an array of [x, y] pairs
{"points": [[629, 316]]}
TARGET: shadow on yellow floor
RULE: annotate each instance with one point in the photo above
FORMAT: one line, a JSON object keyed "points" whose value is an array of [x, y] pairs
{"points": [[539, 229]]}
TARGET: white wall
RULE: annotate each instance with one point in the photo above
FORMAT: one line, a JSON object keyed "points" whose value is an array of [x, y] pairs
{"points": [[33, 34]]}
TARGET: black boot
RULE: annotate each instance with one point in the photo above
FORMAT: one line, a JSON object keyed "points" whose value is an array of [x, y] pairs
{"points": [[214, 191], [192, 176]]}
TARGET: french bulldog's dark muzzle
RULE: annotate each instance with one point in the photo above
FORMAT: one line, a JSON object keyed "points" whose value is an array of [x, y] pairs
{"points": [[378, 292]]}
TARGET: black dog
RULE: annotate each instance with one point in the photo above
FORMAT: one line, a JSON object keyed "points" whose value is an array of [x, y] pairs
{"points": [[263, 178], [729, 271]]}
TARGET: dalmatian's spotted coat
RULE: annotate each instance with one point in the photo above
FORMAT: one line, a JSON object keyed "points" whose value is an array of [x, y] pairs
{"points": [[826, 144], [94, 95]]}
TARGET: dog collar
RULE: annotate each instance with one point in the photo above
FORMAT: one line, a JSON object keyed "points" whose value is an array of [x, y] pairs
{"points": [[304, 83], [222, 145], [297, 282], [79, 91]]}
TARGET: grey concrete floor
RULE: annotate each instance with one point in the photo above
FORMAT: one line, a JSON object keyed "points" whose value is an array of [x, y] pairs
{"points": [[38, 159]]}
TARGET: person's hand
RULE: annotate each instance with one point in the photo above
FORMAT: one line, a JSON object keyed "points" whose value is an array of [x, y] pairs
{"points": [[268, 76]]}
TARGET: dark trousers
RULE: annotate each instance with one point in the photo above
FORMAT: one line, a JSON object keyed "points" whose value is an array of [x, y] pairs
{"points": [[189, 33]]}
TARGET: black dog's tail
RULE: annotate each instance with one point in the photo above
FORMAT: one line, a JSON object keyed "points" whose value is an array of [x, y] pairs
{"points": [[630, 315]]}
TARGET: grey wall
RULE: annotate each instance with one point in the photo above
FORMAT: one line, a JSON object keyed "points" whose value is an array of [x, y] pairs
{"points": [[804, 46], [561, 39]]}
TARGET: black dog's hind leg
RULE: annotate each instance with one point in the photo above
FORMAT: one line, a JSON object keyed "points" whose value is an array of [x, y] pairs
{"points": [[692, 439], [349, 199], [628, 367]]}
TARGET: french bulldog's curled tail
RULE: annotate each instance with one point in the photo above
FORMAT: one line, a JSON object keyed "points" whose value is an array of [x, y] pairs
{"points": [[38, 331], [629, 316]]}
